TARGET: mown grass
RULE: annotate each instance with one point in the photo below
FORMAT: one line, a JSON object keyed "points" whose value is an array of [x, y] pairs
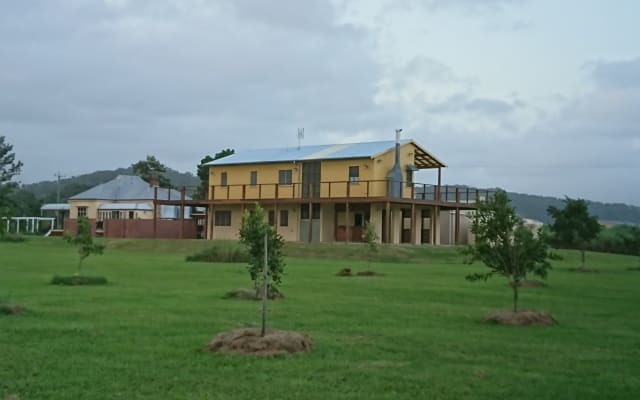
{"points": [[411, 334]]}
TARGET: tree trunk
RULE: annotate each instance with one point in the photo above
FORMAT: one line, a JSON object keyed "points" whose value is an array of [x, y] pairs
{"points": [[265, 287], [515, 286], [582, 253]]}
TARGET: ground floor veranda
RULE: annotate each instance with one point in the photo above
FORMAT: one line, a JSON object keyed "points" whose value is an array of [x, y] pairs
{"points": [[393, 222]]}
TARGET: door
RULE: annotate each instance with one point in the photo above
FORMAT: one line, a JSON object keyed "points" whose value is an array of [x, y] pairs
{"points": [[311, 179]]}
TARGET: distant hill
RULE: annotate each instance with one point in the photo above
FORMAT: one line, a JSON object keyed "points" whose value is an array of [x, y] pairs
{"points": [[527, 205], [535, 207], [47, 190]]}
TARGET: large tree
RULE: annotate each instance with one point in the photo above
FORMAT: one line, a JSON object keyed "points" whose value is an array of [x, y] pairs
{"points": [[203, 171], [505, 245], [151, 169], [9, 168], [573, 227]]}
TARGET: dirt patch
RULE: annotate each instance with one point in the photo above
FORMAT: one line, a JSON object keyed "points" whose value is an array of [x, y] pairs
{"points": [[11, 309], [76, 280], [369, 273], [250, 294], [249, 341], [530, 283], [349, 272], [520, 317], [583, 269]]}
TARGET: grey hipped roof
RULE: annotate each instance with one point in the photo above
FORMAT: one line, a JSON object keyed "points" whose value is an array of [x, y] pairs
{"points": [[326, 152], [126, 187]]}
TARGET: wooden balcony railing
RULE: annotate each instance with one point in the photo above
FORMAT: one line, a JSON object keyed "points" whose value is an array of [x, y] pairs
{"points": [[346, 190]]}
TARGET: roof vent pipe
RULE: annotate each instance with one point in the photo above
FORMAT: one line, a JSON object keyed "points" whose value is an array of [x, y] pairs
{"points": [[394, 177]]}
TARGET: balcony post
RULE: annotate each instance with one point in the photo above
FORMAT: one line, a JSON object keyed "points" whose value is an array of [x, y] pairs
{"points": [[347, 222], [438, 188], [155, 212]]}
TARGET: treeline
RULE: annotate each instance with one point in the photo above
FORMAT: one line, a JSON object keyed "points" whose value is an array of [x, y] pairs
{"points": [[621, 239], [535, 207]]}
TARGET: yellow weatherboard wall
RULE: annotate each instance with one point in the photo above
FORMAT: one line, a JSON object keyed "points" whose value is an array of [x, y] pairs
{"points": [[239, 178]]}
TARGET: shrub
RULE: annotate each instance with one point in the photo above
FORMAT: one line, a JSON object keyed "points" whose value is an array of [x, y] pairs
{"points": [[12, 238], [220, 254], [78, 280]]}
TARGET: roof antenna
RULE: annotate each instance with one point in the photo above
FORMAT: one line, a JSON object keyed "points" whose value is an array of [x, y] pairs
{"points": [[300, 136]]}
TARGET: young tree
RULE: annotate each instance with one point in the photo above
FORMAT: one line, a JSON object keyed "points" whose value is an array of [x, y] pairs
{"points": [[370, 237], [149, 169], [84, 240], [573, 226], [252, 234], [203, 171], [9, 168], [505, 245]]}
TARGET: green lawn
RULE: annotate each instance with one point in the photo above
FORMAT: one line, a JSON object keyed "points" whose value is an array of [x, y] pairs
{"points": [[411, 334]]}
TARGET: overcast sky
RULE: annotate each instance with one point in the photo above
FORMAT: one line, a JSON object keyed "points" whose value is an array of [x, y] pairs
{"points": [[532, 96]]}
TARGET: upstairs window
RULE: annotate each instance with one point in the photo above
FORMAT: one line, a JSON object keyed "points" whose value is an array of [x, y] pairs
{"points": [[223, 179], [253, 178], [285, 177], [354, 173], [409, 178]]}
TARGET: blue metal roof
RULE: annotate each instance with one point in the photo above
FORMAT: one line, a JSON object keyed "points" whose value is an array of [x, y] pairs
{"points": [[306, 153]]}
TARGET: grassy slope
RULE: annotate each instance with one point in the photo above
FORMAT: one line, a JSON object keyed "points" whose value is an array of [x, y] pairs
{"points": [[413, 333]]}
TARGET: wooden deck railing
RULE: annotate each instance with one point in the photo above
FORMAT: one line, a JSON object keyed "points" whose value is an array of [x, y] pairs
{"points": [[346, 190]]}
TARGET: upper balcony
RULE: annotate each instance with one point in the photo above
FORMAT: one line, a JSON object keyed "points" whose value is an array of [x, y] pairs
{"points": [[374, 190]]}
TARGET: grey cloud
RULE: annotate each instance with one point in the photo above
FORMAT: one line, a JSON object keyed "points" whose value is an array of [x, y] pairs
{"points": [[157, 77], [463, 102], [619, 74]]}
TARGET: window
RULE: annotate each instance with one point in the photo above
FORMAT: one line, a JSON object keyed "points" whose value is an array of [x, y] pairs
{"points": [[315, 211], [354, 174], [284, 217], [253, 178], [223, 179], [271, 218], [222, 218], [115, 214], [82, 212], [285, 177], [358, 219], [409, 178]]}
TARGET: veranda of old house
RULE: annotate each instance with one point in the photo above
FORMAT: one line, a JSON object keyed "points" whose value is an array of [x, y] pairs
{"points": [[326, 193]]}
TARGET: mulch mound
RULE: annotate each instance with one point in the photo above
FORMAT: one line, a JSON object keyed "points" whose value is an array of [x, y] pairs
{"points": [[250, 294], [348, 272], [520, 317], [249, 341], [75, 280], [530, 283], [583, 270], [11, 309], [369, 273]]}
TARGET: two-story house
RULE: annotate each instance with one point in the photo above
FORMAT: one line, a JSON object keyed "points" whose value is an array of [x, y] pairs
{"points": [[325, 193]]}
